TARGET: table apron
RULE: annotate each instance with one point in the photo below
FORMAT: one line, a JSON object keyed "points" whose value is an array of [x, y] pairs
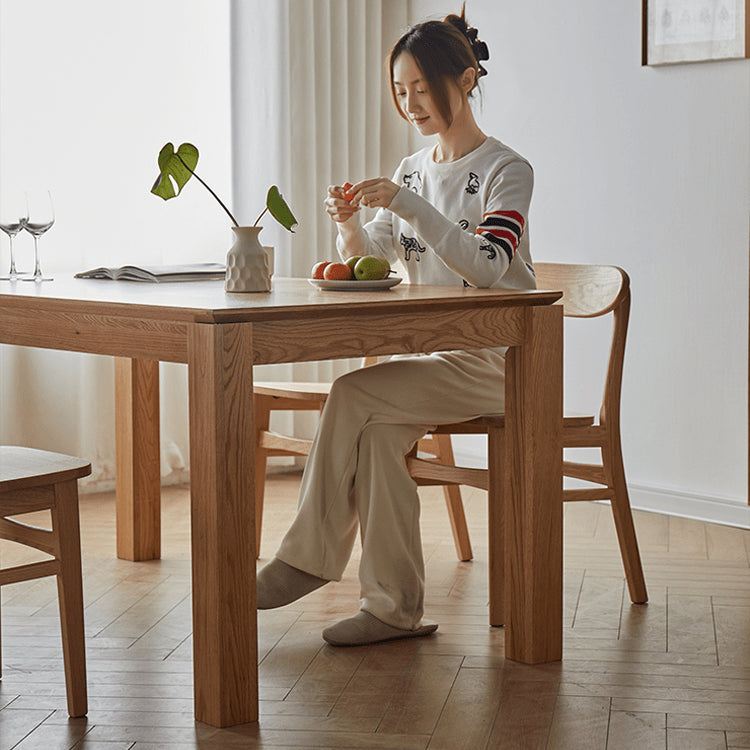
{"points": [[113, 335], [381, 334], [273, 341]]}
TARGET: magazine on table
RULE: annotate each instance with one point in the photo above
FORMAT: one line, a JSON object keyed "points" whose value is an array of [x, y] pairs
{"points": [[182, 272]]}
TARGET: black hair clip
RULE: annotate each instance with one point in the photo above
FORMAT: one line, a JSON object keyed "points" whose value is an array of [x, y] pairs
{"points": [[479, 48]]}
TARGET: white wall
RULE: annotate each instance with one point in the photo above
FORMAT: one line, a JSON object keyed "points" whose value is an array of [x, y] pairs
{"points": [[647, 168]]}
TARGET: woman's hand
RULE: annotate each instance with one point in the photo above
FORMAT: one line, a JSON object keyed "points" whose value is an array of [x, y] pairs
{"points": [[375, 193], [337, 206]]}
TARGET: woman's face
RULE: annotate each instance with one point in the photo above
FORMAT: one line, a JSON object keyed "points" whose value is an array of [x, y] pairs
{"points": [[414, 97]]}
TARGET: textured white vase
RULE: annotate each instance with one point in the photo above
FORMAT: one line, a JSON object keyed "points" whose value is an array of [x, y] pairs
{"points": [[248, 269]]}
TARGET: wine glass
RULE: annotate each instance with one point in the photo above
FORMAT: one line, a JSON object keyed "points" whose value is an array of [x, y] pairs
{"points": [[39, 218], [12, 221]]}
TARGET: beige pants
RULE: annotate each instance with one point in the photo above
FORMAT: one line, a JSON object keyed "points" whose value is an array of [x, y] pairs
{"points": [[356, 472]]}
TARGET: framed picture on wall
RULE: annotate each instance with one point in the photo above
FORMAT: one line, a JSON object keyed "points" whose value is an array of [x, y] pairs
{"points": [[680, 31]]}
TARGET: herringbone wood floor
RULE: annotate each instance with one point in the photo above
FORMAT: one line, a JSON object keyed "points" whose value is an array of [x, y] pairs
{"points": [[673, 674]]}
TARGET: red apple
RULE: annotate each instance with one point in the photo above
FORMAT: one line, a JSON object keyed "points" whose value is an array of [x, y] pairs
{"points": [[337, 272], [319, 269]]}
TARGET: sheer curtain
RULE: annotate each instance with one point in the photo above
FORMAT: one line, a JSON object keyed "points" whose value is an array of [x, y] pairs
{"points": [[311, 107]]}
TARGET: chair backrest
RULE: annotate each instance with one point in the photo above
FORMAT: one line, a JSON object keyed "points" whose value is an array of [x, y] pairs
{"points": [[590, 291]]}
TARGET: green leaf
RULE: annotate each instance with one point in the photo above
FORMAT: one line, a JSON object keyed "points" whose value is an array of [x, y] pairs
{"points": [[279, 209], [175, 168]]}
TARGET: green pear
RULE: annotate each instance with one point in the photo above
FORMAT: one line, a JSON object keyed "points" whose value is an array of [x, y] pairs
{"points": [[351, 262], [371, 268]]}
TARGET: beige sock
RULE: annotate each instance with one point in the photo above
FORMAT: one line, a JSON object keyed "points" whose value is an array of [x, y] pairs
{"points": [[365, 628], [280, 584]]}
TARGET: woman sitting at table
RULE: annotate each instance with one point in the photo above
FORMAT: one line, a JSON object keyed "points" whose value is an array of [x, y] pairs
{"points": [[454, 214]]}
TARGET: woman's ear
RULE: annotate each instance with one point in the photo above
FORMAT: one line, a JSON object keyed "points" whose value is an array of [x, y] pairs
{"points": [[468, 79]]}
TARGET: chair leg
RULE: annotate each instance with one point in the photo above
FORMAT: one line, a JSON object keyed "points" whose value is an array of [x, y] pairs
{"points": [[631, 558], [65, 525], [262, 420], [453, 501], [496, 524]]}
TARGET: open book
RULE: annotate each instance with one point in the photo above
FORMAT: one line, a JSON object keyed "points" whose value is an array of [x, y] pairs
{"points": [[184, 272]]}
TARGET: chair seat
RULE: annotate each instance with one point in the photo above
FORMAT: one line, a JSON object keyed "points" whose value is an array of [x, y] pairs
{"points": [[320, 391], [302, 391], [24, 468], [480, 424]]}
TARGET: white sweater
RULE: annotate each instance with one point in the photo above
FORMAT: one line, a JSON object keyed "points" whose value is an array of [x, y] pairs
{"points": [[460, 222]]}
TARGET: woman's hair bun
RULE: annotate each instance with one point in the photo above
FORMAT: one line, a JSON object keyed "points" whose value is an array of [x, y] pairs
{"points": [[478, 47]]}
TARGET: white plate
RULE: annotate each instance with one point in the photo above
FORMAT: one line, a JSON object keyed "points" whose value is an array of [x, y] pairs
{"points": [[353, 285]]}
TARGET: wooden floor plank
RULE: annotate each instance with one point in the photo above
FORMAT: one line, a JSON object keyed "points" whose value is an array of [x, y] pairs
{"points": [[469, 712], [327, 675], [690, 739], [579, 722], [698, 708], [418, 703], [16, 724], [645, 625], [687, 538], [736, 740], [53, 737], [709, 721], [373, 687], [691, 626], [725, 543], [733, 635], [599, 605], [525, 715], [630, 729]]}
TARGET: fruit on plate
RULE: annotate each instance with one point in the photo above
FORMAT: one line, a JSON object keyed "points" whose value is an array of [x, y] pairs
{"points": [[337, 272], [318, 269], [371, 268], [358, 268]]}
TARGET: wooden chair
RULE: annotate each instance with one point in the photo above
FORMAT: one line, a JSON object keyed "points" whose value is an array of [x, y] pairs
{"points": [[588, 292], [270, 397], [33, 480]]}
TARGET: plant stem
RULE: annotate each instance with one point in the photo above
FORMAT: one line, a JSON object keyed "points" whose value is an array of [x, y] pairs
{"points": [[261, 216], [229, 213]]}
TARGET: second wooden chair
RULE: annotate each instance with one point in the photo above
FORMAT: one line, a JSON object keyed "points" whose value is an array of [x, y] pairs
{"points": [[589, 291], [33, 480]]}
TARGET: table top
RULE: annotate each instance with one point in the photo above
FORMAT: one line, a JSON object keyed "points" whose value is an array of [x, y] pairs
{"points": [[206, 301]]}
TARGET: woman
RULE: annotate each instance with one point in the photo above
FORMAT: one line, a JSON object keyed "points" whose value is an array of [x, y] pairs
{"points": [[454, 214]]}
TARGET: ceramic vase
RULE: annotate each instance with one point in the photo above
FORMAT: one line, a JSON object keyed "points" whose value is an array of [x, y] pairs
{"points": [[248, 268]]}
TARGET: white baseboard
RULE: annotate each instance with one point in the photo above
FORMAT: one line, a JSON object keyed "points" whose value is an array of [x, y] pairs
{"points": [[719, 510], [689, 505]]}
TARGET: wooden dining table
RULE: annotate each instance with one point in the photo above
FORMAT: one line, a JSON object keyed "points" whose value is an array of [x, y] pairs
{"points": [[221, 337]]}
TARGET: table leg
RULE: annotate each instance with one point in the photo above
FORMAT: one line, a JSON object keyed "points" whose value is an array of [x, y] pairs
{"points": [[225, 645], [138, 476], [533, 491]]}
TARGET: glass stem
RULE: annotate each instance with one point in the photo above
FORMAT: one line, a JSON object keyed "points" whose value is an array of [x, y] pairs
{"points": [[37, 268], [12, 274]]}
